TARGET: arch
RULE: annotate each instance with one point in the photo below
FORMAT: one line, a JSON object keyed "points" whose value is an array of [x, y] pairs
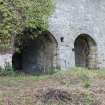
{"points": [[85, 51], [38, 54]]}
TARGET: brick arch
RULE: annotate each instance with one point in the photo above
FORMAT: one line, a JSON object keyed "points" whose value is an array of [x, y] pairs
{"points": [[85, 51]]}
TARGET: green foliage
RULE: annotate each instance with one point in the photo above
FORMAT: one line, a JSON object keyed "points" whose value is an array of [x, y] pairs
{"points": [[7, 19], [7, 70], [15, 15], [35, 12], [87, 84]]}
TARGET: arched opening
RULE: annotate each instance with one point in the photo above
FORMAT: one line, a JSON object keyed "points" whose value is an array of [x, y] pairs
{"points": [[85, 51], [37, 54]]}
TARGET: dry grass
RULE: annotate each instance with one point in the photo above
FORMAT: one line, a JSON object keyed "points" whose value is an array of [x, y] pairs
{"points": [[72, 87]]}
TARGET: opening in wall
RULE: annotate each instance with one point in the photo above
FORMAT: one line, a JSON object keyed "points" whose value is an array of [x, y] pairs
{"points": [[85, 51]]}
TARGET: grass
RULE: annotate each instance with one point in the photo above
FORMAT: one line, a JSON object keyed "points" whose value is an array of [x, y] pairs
{"points": [[81, 85]]}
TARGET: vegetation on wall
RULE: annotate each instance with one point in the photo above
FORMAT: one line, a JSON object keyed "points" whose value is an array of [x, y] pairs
{"points": [[17, 15]]}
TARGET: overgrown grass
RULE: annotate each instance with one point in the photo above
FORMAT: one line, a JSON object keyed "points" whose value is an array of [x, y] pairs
{"points": [[82, 74], [19, 89], [79, 75]]}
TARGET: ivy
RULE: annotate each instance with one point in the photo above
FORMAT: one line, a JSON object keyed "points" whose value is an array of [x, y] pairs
{"points": [[16, 15]]}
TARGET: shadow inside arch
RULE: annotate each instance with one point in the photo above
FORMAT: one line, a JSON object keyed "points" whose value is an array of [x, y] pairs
{"points": [[85, 51], [37, 52]]}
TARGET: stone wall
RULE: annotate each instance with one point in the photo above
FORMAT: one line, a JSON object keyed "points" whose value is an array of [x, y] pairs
{"points": [[74, 17], [5, 51]]}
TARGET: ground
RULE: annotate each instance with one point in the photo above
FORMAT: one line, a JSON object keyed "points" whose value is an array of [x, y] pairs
{"points": [[72, 87]]}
